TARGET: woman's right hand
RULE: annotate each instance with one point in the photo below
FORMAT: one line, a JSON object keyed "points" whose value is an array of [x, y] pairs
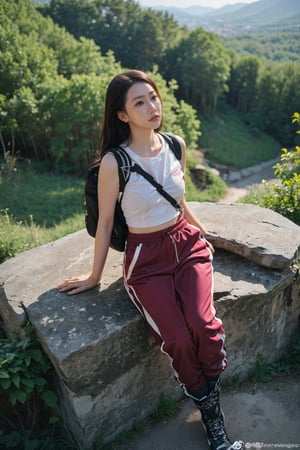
{"points": [[74, 285]]}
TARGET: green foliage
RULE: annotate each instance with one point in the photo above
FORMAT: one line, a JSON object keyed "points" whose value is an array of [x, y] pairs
{"points": [[57, 210], [24, 60], [227, 140], [22, 370], [283, 46], [277, 97], [17, 237], [24, 391], [52, 84], [243, 82], [166, 408], [264, 371], [46, 198], [51, 88], [213, 189], [72, 120], [8, 167], [14, 238], [139, 37], [202, 67], [284, 197]]}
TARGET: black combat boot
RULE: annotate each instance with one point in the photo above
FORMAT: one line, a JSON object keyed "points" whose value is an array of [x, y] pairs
{"points": [[213, 420]]}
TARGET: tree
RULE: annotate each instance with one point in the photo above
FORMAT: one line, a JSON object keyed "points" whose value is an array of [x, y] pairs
{"points": [[76, 16], [36, 60], [24, 61], [72, 115], [243, 83], [138, 38], [277, 97], [202, 68]]}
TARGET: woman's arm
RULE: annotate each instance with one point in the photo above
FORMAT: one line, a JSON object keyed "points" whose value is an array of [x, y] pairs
{"points": [[108, 191], [189, 216]]}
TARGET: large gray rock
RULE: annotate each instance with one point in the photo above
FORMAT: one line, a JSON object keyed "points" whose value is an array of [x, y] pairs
{"points": [[258, 234], [110, 373]]}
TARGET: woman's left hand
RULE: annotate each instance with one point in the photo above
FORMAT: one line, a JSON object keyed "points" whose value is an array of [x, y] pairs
{"points": [[75, 285]]}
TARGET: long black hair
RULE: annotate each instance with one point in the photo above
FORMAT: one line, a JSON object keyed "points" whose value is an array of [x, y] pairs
{"points": [[114, 131]]}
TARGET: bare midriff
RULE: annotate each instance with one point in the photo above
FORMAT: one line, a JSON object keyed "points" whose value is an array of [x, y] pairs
{"points": [[146, 230]]}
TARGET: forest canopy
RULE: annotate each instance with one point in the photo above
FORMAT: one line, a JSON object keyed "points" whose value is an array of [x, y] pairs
{"points": [[57, 59]]}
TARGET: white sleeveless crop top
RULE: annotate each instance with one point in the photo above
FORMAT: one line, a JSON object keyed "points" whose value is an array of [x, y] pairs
{"points": [[142, 205]]}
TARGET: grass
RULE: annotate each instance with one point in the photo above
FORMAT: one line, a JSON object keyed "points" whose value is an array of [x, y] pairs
{"points": [[227, 140], [38, 206], [45, 199], [263, 371]]}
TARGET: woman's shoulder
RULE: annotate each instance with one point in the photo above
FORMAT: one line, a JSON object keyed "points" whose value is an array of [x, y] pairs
{"points": [[108, 158], [180, 140], [180, 154], [173, 137], [109, 162]]}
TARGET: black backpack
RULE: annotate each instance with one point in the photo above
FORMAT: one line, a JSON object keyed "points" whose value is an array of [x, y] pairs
{"points": [[125, 166]]}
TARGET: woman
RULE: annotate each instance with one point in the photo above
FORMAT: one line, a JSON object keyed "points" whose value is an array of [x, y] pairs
{"points": [[167, 262]]}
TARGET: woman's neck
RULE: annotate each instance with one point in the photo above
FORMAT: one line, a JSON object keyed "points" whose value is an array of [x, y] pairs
{"points": [[145, 144]]}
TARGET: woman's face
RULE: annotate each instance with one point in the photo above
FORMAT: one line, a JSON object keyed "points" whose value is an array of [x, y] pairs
{"points": [[142, 107]]}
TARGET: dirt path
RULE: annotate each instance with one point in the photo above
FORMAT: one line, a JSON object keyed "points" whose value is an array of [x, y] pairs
{"points": [[240, 182]]}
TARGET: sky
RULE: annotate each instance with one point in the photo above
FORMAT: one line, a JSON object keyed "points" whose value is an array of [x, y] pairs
{"points": [[187, 3]]}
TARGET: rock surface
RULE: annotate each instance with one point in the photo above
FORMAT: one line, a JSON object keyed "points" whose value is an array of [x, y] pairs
{"points": [[258, 234], [101, 349]]}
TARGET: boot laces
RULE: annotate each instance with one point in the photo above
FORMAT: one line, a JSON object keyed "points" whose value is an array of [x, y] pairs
{"points": [[213, 421], [216, 433]]}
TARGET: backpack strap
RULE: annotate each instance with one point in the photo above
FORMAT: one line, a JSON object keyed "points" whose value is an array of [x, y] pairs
{"points": [[173, 143], [124, 166], [158, 186], [125, 163]]}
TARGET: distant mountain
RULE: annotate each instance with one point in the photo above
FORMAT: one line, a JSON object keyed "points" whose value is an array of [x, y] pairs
{"points": [[190, 10], [199, 10], [186, 16], [226, 9], [260, 16]]}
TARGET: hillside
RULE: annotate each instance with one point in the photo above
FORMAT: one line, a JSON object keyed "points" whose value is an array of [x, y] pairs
{"points": [[261, 16], [186, 16], [284, 46]]}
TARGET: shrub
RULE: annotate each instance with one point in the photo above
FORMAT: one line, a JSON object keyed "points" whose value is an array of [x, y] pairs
{"points": [[24, 386], [15, 237], [284, 197]]}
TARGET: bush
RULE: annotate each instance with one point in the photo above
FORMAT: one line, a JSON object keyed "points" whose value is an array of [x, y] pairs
{"points": [[24, 388], [14, 237], [284, 197]]}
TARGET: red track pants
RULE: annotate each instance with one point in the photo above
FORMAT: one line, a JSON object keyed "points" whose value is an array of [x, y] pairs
{"points": [[168, 276]]}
